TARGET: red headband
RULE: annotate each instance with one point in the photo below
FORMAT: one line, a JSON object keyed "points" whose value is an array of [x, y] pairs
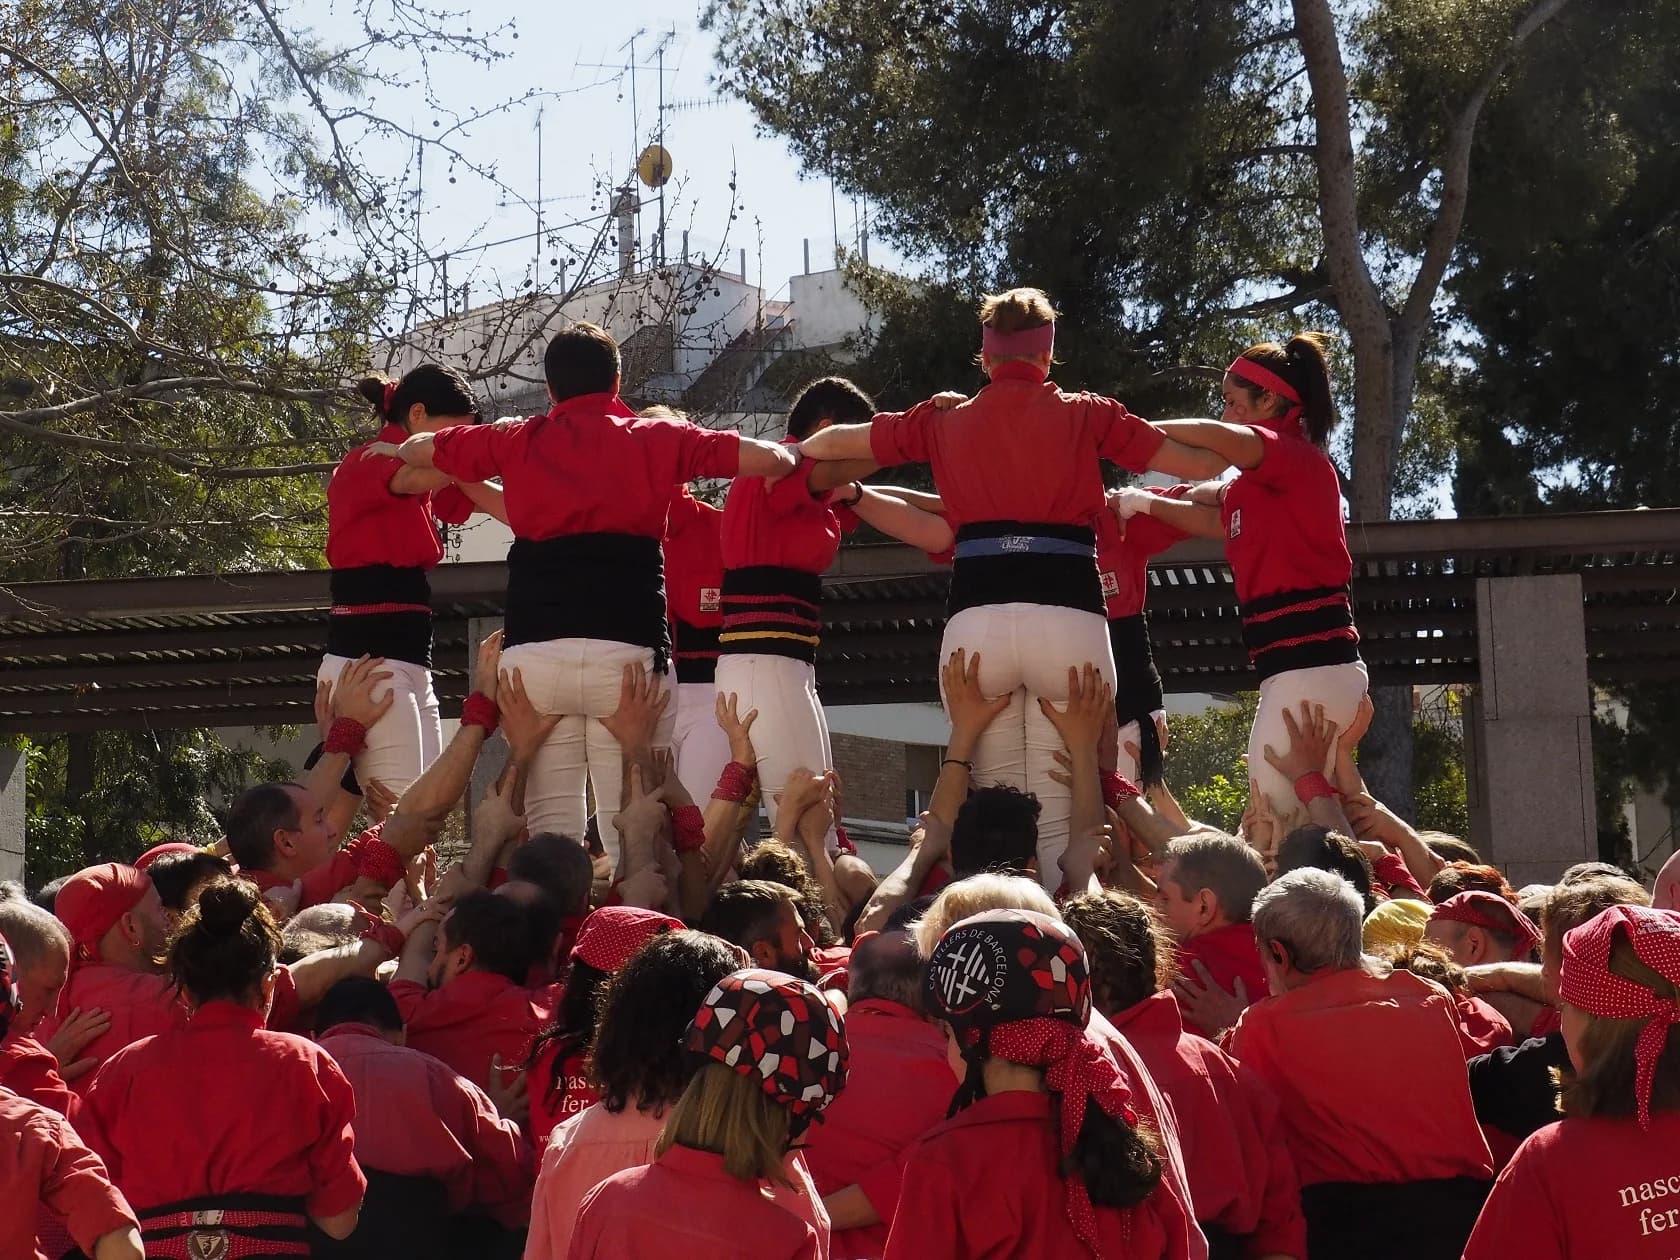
{"points": [[1263, 376], [1586, 982], [1024, 344], [390, 393], [1492, 913]]}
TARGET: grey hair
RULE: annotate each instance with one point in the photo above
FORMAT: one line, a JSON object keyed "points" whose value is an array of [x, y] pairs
{"points": [[1222, 864], [33, 934], [1317, 915]]}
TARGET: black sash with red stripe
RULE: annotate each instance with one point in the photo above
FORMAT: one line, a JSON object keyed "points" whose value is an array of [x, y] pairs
{"points": [[771, 611], [381, 610], [226, 1227], [695, 649], [1300, 630]]}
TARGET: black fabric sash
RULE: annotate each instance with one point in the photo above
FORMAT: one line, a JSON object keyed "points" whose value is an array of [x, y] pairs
{"points": [[588, 586], [1026, 577], [399, 634]]}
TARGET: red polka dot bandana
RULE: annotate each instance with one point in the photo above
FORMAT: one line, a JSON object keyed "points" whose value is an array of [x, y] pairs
{"points": [[1586, 981], [11, 1001], [779, 1029], [1492, 913], [613, 935]]}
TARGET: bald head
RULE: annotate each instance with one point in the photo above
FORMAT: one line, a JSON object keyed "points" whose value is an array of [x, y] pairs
{"points": [[319, 928], [888, 966]]}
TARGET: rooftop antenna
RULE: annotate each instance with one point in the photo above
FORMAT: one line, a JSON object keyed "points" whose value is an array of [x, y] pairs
{"points": [[536, 261]]}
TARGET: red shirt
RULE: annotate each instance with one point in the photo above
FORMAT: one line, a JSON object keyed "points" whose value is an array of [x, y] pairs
{"points": [[368, 523], [1123, 558], [590, 466], [141, 1004], [225, 1107], [1229, 953], [1019, 450], [573, 1092], [1586, 1189], [1391, 873], [43, 1162], [477, 1016], [1340, 1052], [988, 1182], [417, 1118], [29, 1070], [693, 560], [326, 881], [780, 523], [898, 1086], [1283, 521], [1241, 1176], [1481, 1029], [685, 1205]]}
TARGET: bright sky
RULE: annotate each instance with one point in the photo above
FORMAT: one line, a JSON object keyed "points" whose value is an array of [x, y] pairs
{"points": [[581, 48]]}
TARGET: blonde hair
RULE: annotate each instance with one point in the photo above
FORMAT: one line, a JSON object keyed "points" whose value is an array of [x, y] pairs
{"points": [[1016, 310], [977, 893], [729, 1114]]}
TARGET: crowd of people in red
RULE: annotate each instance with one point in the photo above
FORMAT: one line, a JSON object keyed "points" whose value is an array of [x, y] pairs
{"points": [[1073, 1021]]}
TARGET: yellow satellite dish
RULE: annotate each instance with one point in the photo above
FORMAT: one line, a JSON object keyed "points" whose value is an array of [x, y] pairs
{"points": [[654, 167]]}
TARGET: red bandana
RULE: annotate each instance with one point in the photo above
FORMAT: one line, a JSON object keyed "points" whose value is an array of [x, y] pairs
{"points": [[1076, 1069], [1492, 913], [612, 935], [91, 902], [1587, 983]]}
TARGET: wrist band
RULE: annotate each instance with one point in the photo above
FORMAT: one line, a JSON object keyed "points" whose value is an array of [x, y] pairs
{"points": [[735, 783], [379, 862], [347, 736], [957, 761], [1116, 788], [843, 842], [387, 934], [1309, 787], [688, 829], [480, 710], [857, 495]]}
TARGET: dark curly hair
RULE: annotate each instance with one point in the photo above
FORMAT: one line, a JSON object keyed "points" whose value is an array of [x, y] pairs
{"points": [[637, 1058], [574, 1024], [1125, 945], [776, 863], [226, 944]]}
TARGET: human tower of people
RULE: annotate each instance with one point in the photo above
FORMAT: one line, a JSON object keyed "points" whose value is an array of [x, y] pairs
{"points": [[1072, 1022]]}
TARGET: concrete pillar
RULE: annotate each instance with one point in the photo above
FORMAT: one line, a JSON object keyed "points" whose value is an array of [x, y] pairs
{"points": [[14, 808], [1530, 728]]}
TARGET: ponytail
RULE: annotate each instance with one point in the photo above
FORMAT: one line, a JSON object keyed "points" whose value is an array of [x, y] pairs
{"points": [[227, 943], [1301, 362], [1119, 1164], [442, 391]]}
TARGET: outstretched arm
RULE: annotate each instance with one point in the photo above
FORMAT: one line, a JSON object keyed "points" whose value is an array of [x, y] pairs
{"points": [[486, 496], [839, 441], [1195, 519], [900, 519], [759, 458], [1234, 443]]}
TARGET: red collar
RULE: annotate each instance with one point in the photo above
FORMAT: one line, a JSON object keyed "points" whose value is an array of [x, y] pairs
{"points": [[1020, 370], [702, 1165], [227, 1015], [1157, 1013], [600, 404], [886, 1008], [353, 1029], [393, 433]]}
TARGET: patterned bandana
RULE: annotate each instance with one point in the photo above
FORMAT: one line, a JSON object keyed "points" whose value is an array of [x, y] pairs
{"points": [[1587, 982], [11, 1001], [1492, 913], [612, 935], [1015, 985], [779, 1029]]}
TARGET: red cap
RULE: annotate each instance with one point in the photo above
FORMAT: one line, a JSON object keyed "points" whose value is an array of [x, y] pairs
{"points": [[162, 850], [91, 902], [1491, 912], [611, 935]]}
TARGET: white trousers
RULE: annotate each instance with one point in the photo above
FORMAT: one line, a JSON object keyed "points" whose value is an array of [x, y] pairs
{"points": [[410, 735], [579, 679], [1132, 734], [701, 747], [1025, 652], [791, 732], [1337, 687]]}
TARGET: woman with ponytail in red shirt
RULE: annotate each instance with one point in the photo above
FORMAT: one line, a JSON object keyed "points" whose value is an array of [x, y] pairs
{"points": [[382, 538], [1281, 519]]}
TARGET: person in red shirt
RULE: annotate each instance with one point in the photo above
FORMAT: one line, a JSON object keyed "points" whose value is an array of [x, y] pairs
{"points": [[460, 988], [382, 538], [641, 1067], [1123, 553], [118, 935], [43, 1162], [778, 539], [558, 1065], [1600, 1181], [587, 489], [694, 594], [419, 1124], [1281, 519], [1042, 1156], [775, 1057], [899, 1086], [224, 1135], [1242, 1180], [1338, 1043], [1208, 883], [763, 918], [1018, 476], [41, 964], [1478, 927]]}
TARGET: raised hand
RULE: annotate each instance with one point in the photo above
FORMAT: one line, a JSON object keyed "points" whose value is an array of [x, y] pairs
{"points": [[524, 728], [970, 710]]}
